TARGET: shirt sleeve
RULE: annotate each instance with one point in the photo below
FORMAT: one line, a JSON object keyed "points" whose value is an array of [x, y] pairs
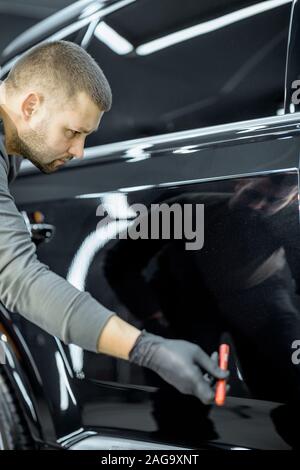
{"points": [[29, 288]]}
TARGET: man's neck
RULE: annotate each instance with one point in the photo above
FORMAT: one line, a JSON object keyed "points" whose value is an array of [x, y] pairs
{"points": [[2, 127], [6, 131]]}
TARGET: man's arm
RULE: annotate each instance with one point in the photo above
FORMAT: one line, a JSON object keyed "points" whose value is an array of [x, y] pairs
{"points": [[29, 288], [178, 362], [117, 338]]}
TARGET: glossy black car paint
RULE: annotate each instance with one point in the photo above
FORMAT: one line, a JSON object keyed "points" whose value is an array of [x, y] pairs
{"points": [[67, 394]]}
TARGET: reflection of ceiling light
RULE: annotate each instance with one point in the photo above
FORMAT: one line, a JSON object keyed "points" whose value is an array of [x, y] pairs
{"points": [[117, 207], [251, 129], [91, 245], [89, 196], [138, 153], [280, 111], [187, 149], [208, 26], [292, 108], [112, 39], [65, 390], [138, 158], [136, 188], [239, 448]]}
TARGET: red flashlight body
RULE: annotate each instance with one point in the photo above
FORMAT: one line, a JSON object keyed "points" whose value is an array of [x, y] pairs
{"points": [[221, 384]]}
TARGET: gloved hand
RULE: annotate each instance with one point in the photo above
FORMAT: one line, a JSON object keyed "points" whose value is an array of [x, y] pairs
{"points": [[179, 362]]}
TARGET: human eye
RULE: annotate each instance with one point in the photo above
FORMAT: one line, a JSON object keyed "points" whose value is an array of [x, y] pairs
{"points": [[71, 133]]}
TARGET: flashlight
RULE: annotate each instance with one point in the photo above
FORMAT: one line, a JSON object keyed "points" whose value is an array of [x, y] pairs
{"points": [[221, 383]]}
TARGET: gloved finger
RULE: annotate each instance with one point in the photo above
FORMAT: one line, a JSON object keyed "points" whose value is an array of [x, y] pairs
{"points": [[202, 390], [209, 365], [209, 379], [215, 357]]}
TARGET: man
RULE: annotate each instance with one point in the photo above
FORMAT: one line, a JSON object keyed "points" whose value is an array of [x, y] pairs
{"points": [[53, 97]]}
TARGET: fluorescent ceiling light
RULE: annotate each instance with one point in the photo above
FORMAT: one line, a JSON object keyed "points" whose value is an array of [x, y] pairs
{"points": [[208, 26], [112, 39], [89, 33], [89, 10]]}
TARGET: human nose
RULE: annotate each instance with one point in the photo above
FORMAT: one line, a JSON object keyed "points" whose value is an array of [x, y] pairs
{"points": [[77, 149]]}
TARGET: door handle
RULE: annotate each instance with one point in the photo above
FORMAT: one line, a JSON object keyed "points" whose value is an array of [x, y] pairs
{"points": [[39, 231]]}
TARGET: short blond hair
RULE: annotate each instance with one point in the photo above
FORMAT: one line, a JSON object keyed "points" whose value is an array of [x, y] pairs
{"points": [[61, 66]]}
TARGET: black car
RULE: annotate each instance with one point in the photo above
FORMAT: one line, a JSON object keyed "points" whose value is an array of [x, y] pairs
{"points": [[205, 111]]}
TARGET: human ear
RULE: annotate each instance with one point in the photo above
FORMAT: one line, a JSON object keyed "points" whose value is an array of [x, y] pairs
{"points": [[29, 105]]}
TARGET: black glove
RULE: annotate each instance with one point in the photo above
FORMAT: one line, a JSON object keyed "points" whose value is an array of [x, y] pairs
{"points": [[178, 362]]}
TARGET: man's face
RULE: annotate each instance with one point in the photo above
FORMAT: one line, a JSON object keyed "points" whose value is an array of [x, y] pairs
{"points": [[262, 196], [55, 132]]}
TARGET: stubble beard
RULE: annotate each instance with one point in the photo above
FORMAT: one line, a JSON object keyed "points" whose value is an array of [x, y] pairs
{"points": [[35, 152]]}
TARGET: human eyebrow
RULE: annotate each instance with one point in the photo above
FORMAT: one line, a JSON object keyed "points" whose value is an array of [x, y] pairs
{"points": [[81, 129]]}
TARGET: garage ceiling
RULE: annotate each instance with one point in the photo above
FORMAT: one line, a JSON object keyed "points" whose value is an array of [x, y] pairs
{"points": [[43, 8], [32, 8]]}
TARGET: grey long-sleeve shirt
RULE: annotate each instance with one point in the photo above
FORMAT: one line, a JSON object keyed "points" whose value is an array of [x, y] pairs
{"points": [[30, 288]]}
